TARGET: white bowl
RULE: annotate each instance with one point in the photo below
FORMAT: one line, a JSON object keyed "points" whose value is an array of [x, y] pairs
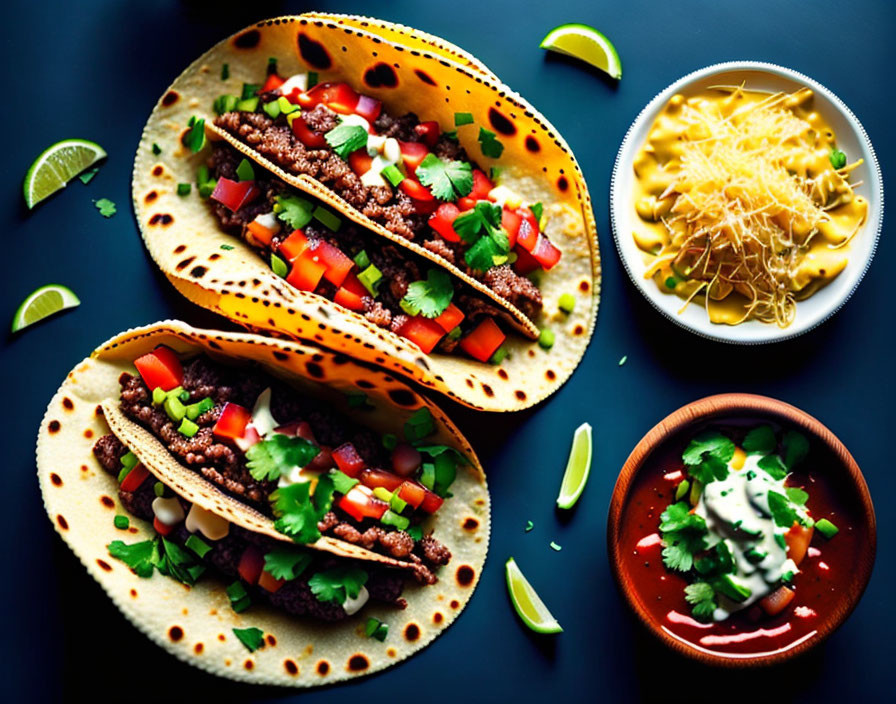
{"points": [[851, 138]]}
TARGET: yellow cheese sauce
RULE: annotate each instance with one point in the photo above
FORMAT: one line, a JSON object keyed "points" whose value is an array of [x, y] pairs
{"points": [[739, 205]]}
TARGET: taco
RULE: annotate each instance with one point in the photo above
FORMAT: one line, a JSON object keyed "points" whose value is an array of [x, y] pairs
{"points": [[479, 186], [337, 577]]}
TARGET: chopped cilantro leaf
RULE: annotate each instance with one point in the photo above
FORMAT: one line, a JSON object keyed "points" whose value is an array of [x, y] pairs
{"points": [[773, 466], [376, 629], [225, 72], [106, 207], [487, 253], [312, 79], [344, 139], [156, 149], [463, 118], [279, 453], [342, 483], [286, 564], [710, 442], [359, 400], [227, 246], [194, 139], [337, 584], [298, 512], [782, 512], [244, 171], [88, 175], [761, 439], [183, 189], [294, 211], [419, 425], [430, 298], [683, 536], [484, 216], [121, 522], [718, 561], [796, 495], [537, 210], [710, 469], [796, 447], [137, 556], [489, 143], [252, 638], [702, 597], [447, 180], [250, 90], [278, 266]]}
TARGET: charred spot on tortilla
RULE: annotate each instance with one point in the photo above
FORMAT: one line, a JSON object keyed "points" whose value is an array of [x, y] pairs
{"points": [[197, 272], [501, 123], [185, 263], [54, 426], [425, 77], [175, 633], [358, 663], [323, 667], [56, 479], [470, 524], [314, 53], [163, 219], [198, 648], [437, 618], [68, 404], [532, 144], [465, 575], [271, 640], [291, 668], [563, 183], [402, 397], [150, 197], [104, 565], [107, 501], [381, 75], [249, 664], [170, 98], [412, 632], [247, 40], [60, 519]]}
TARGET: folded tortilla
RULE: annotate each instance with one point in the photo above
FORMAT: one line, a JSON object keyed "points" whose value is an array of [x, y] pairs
{"points": [[195, 623]]}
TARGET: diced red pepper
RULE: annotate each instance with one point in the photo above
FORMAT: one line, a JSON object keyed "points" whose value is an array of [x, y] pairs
{"points": [[450, 318], [323, 460], [348, 460], [431, 502], [251, 564], [273, 82], [380, 478], [339, 97], [525, 262], [260, 232], [134, 478], [412, 493], [511, 222], [233, 195], [307, 271], [406, 459], [481, 186], [351, 294], [423, 332], [338, 264], [484, 341], [360, 161], [306, 135], [465, 203], [429, 132], [442, 221], [293, 245], [416, 190], [368, 108], [527, 234], [413, 153], [160, 369], [232, 423], [161, 528], [269, 583], [545, 253], [359, 503]]}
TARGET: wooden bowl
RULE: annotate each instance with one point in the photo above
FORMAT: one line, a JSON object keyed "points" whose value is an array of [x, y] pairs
{"points": [[838, 468]]}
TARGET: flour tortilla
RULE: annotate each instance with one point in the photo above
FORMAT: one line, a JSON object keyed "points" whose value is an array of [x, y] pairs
{"points": [[184, 238], [195, 623]]}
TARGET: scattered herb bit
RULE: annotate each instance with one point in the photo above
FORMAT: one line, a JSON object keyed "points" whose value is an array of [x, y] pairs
{"points": [[156, 149], [286, 564], [250, 90], [566, 303], [267, 457], [450, 134], [239, 597], [671, 282], [194, 139], [489, 143], [346, 138], [429, 298], [796, 495], [122, 522], [342, 483], [313, 78], [326, 218], [826, 528], [683, 536], [796, 447], [760, 439], [773, 466], [197, 545], [137, 556], [555, 547], [782, 512], [359, 400], [448, 180], [463, 118], [623, 360], [529, 526], [392, 175], [838, 159], [376, 629], [158, 489], [278, 266], [252, 638], [225, 103], [293, 210], [106, 207], [183, 189], [536, 208], [337, 584], [225, 72], [88, 175], [419, 425], [245, 172], [227, 247], [481, 227], [298, 512], [546, 339], [702, 597]]}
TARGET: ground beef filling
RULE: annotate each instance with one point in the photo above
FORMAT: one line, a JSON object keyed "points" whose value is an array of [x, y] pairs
{"points": [[295, 596], [226, 467], [399, 267], [392, 208]]}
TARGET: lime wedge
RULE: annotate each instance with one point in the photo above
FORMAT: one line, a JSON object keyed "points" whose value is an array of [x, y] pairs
{"points": [[578, 467], [583, 42], [57, 165], [526, 602], [43, 303]]}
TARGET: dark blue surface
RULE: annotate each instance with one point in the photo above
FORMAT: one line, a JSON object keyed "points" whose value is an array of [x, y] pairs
{"points": [[95, 69]]}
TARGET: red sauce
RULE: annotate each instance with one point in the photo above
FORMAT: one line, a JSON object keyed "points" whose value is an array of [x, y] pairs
{"points": [[825, 571]]}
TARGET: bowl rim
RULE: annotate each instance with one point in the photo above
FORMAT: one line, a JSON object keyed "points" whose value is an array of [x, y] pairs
{"points": [[725, 333], [702, 410]]}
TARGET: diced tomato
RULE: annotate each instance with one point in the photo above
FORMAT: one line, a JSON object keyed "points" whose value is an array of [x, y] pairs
{"points": [[360, 161], [412, 493], [511, 222], [161, 528], [484, 341], [307, 271], [450, 318], [360, 503], [380, 478], [269, 583], [273, 82], [798, 539], [481, 186], [368, 108], [339, 97], [525, 262], [232, 423], [413, 153], [323, 460], [338, 264], [423, 332], [527, 235], [466, 203], [260, 232], [406, 459], [233, 195], [348, 460], [160, 369], [442, 221], [431, 502], [306, 135], [777, 601], [351, 294], [293, 245], [545, 253], [250, 438], [429, 132], [416, 190], [134, 478], [251, 564]]}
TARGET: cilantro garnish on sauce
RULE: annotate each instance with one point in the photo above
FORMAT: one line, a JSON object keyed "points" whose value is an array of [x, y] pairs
{"points": [[684, 535], [344, 139], [338, 584], [106, 207], [702, 597], [252, 638], [448, 180], [429, 298]]}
